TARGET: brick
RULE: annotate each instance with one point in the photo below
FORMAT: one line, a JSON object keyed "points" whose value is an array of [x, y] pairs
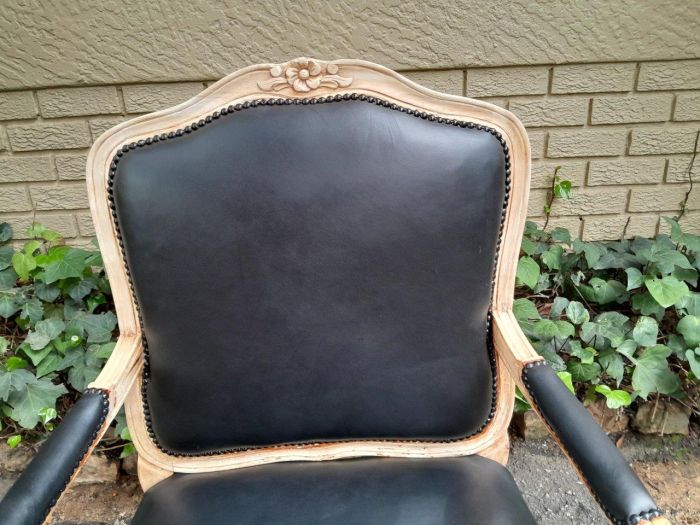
{"points": [[677, 170], [573, 224], [14, 198], [49, 135], [662, 198], [584, 201], [537, 138], [85, 225], [17, 105], [501, 102], [152, 97], [618, 109], [680, 74], [657, 141], [63, 224], [26, 168], [448, 81], [490, 82], [552, 111], [71, 167], [543, 171], [593, 78], [66, 196], [586, 142], [71, 102], [626, 171], [99, 125], [611, 228], [687, 107]]}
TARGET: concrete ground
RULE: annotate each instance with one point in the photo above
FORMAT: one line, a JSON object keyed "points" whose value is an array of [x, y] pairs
{"points": [[670, 467]]}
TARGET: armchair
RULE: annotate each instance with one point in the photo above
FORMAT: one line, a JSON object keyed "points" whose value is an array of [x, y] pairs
{"points": [[313, 267]]}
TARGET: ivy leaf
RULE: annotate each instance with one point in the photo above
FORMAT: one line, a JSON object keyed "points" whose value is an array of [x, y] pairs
{"points": [[693, 357], [44, 332], [98, 327], [8, 278], [5, 232], [35, 395], [577, 313], [634, 278], [567, 380], [81, 288], [32, 310], [48, 364], [666, 291], [552, 257], [6, 253], [645, 331], [692, 242], [23, 263], [36, 356], [612, 364], [71, 264], [547, 329], [586, 354], [8, 305], [614, 399], [647, 305], [561, 235], [651, 373], [558, 306], [689, 276], [628, 348], [46, 292], [528, 246], [603, 292], [583, 371], [528, 272], [13, 380], [690, 304], [689, 328]]}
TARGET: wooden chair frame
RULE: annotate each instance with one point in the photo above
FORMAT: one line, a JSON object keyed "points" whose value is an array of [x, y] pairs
{"points": [[122, 375]]}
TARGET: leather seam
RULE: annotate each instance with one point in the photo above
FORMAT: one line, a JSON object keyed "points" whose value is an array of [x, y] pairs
{"points": [[632, 519], [124, 149], [104, 394]]}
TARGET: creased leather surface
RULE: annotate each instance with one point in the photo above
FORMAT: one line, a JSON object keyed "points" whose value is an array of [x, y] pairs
{"points": [[310, 273], [45, 478], [464, 491], [606, 471]]}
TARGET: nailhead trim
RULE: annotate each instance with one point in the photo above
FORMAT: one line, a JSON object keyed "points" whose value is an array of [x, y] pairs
{"points": [[105, 410], [633, 519], [227, 110]]}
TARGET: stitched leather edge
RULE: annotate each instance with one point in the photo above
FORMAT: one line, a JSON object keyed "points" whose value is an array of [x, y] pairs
{"points": [[124, 149], [633, 519], [104, 394]]}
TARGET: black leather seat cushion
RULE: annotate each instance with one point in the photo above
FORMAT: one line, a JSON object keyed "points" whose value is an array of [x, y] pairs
{"points": [[313, 273], [377, 491]]}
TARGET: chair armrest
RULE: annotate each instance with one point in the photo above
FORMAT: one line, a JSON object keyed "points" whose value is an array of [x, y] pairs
{"points": [[32, 497], [611, 480]]}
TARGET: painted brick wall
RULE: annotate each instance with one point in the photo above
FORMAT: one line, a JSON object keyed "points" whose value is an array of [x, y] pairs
{"points": [[623, 133]]}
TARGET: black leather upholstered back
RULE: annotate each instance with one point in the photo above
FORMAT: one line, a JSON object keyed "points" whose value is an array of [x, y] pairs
{"points": [[315, 272]]}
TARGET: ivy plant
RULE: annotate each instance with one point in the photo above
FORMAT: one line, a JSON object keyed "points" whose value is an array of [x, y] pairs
{"points": [[57, 328], [620, 319]]}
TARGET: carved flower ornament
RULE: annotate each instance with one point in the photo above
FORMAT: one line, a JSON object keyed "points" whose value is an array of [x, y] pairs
{"points": [[304, 75]]}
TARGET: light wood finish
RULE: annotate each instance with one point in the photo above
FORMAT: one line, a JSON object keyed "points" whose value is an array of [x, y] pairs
{"points": [[290, 81], [149, 474]]}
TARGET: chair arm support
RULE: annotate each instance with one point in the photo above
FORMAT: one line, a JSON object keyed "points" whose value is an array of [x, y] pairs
{"points": [[32, 497], [611, 480], [38, 488]]}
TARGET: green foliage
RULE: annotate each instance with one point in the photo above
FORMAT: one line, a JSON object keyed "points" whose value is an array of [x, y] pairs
{"points": [[621, 318], [57, 328]]}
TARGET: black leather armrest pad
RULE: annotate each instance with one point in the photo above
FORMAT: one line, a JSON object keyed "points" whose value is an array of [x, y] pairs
{"points": [[613, 483], [38, 488]]}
